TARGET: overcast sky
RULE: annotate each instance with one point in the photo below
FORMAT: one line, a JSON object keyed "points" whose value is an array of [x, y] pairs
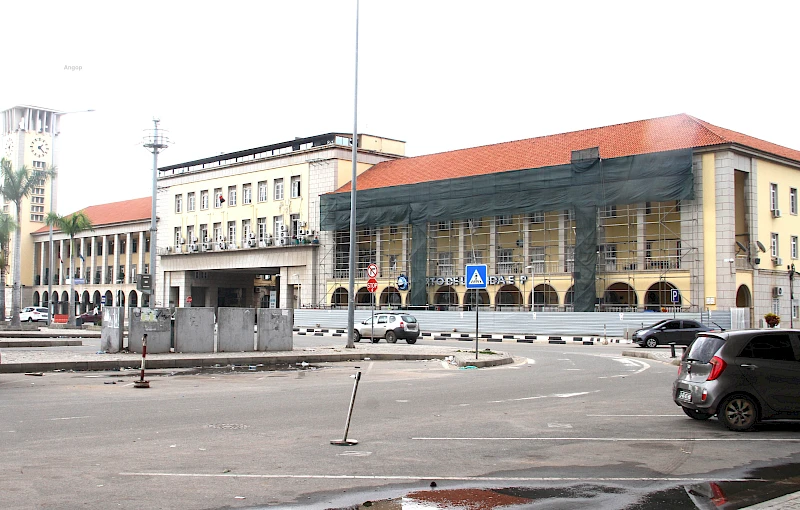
{"points": [[226, 76]]}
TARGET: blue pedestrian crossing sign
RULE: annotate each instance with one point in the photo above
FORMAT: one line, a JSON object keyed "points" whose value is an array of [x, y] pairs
{"points": [[476, 276]]}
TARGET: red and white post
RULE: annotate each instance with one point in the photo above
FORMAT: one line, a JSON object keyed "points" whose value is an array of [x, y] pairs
{"points": [[141, 383]]}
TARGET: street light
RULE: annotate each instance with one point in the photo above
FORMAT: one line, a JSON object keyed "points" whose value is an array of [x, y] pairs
{"points": [[791, 294], [52, 209], [524, 290]]}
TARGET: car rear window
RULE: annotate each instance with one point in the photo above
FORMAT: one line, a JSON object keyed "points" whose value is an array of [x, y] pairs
{"points": [[704, 348], [409, 318]]}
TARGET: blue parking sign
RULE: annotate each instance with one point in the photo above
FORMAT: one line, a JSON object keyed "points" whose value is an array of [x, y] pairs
{"points": [[476, 276], [676, 296]]}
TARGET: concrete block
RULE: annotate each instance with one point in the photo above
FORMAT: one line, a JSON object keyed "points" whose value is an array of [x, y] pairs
{"points": [[157, 323], [275, 329], [235, 329], [194, 329], [111, 333]]}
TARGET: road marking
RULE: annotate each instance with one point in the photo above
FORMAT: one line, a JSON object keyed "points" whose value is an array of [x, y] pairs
{"points": [[636, 415], [568, 395], [559, 425], [449, 478], [617, 439], [355, 453], [401, 401], [573, 369], [531, 361], [557, 395], [70, 418]]}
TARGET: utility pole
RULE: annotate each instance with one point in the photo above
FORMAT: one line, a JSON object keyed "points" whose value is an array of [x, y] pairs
{"points": [[155, 143], [791, 294]]}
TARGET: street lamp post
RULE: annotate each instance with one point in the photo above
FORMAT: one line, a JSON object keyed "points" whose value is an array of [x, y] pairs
{"points": [[524, 289], [50, 304], [791, 294], [155, 143]]}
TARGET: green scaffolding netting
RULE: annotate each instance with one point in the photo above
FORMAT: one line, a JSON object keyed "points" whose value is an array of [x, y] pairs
{"points": [[582, 186]]}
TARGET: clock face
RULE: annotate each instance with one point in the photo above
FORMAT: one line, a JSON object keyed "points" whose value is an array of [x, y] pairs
{"points": [[9, 147], [39, 147]]}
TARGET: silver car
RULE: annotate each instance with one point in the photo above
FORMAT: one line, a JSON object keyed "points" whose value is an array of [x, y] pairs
{"points": [[390, 326], [743, 377]]}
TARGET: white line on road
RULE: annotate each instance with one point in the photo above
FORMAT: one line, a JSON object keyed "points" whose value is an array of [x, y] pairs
{"points": [[618, 439], [636, 415], [70, 418], [557, 395], [449, 478]]}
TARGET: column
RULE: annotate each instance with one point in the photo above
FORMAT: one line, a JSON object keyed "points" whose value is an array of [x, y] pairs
{"points": [[42, 257], [641, 242], [93, 260], [61, 277], [82, 261], [115, 267], [141, 252], [103, 271], [128, 272]]}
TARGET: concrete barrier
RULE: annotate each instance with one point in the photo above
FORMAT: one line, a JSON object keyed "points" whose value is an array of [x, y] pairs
{"points": [[275, 329], [156, 322], [194, 329], [235, 329]]}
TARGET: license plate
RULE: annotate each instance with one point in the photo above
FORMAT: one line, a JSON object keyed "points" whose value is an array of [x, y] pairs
{"points": [[684, 395]]}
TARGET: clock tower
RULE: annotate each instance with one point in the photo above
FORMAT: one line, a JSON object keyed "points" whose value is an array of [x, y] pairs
{"points": [[28, 135]]}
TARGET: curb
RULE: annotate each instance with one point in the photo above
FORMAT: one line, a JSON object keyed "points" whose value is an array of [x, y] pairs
{"points": [[650, 355], [488, 337]]}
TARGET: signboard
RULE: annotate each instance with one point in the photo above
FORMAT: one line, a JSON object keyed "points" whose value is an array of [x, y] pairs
{"points": [[189, 300], [143, 282], [402, 282], [476, 276], [273, 299], [102, 300], [372, 285], [372, 270], [676, 296]]}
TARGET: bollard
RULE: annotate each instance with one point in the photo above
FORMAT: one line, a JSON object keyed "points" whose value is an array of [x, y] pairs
{"points": [[141, 383], [345, 441], [672, 349]]}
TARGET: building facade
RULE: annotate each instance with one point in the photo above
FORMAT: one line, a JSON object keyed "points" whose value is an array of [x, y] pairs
{"points": [[242, 229], [662, 214]]}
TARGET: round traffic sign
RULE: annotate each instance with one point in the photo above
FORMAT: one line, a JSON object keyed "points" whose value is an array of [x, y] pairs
{"points": [[372, 270], [189, 299], [372, 285]]}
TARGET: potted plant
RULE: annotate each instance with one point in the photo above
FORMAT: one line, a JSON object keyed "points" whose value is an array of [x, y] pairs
{"points": [[772, 320]]}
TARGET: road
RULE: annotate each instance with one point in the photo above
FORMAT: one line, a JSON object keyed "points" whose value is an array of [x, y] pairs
{"points": [[561, 416]]}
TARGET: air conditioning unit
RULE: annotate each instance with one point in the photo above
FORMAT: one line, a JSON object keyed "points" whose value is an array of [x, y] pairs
{"points": [[251, 243], [284, 241], [251, 235], [776, 213], [194, 239], [193, 247], [183, 241], [206, 239], [262, 244], [221, 245], [177, 248], [301, 232], [168, 249], [777, 291], [282, 228], [777, 261], [220, 239], [206, 246]]}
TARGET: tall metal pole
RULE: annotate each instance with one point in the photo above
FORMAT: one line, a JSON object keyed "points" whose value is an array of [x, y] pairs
{"points": [[155, 143], [792, 272], [351, 310]]}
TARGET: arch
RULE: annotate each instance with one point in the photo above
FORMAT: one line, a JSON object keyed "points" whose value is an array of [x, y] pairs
{"points": [[45, 299], [339, 297], [620, 294], [121, 298], [469, 299], [110, 298], [363, 297], [133, 299], [36, 298], [545, 295], [444, 297], [659, 296], [85, 302], [391, 297], [145, 301], [508, 295], [743, 297], [569, 297], [64, 306]]}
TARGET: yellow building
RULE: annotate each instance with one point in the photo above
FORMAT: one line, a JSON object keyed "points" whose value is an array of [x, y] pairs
{"points": [[242, 229], [28, 138], [660, 214]]}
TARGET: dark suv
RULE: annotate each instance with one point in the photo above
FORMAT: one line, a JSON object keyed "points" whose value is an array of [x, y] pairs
{"points": [[680, 331], [741, 376]]}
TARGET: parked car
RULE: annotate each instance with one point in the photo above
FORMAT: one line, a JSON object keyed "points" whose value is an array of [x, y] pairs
{"points": [[34, 314], [666, 331], [94, 318], [390, 326], [741, 376]]}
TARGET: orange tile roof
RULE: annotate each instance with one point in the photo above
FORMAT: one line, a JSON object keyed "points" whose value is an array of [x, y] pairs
{"points": [[640, 137], [138, 209]]}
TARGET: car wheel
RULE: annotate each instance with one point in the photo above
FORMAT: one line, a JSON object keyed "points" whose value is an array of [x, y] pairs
{"points": [[356, 336], [30, 319], [738, 413], [411, 340], [651, 342], [376, 340], [391, 337], [695, 414]]}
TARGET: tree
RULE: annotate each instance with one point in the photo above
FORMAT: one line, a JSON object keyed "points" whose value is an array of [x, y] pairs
{"points": [[16, 186], [71, 225], [7, 225]]}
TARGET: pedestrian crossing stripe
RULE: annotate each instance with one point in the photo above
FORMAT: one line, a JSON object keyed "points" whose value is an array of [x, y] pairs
{"points": [[476, 279]]}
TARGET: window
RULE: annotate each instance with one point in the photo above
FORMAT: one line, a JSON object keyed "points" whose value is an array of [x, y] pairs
{"points": [[776, 306], [609, 211], [505, 219], [134, 246], [648, 207], [217, 231], [393, 229], [774, 347], [37, 217], [231, 195], [246, 230], [773, 244], [295, 186], [474, 257], [204, 200], [190, 238], [178, 204], [247, 194], [277, 223], [99, 248], [443, 225], [262, 229], [133, 273], [262, 191], [505, 261], [474, 223], [569, 258], [190, 201], [218, 198], [537, 259], [608, 257], [794, 247], [232, 232], [773, 197], [793, 200], [204, 233], [294, 221], [178, 238], [569, 215], [537, 217], [278, 194]]}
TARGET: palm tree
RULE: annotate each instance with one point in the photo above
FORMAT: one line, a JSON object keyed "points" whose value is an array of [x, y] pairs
{"points": [[16, 186], [7, 224], [71, 225]]}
